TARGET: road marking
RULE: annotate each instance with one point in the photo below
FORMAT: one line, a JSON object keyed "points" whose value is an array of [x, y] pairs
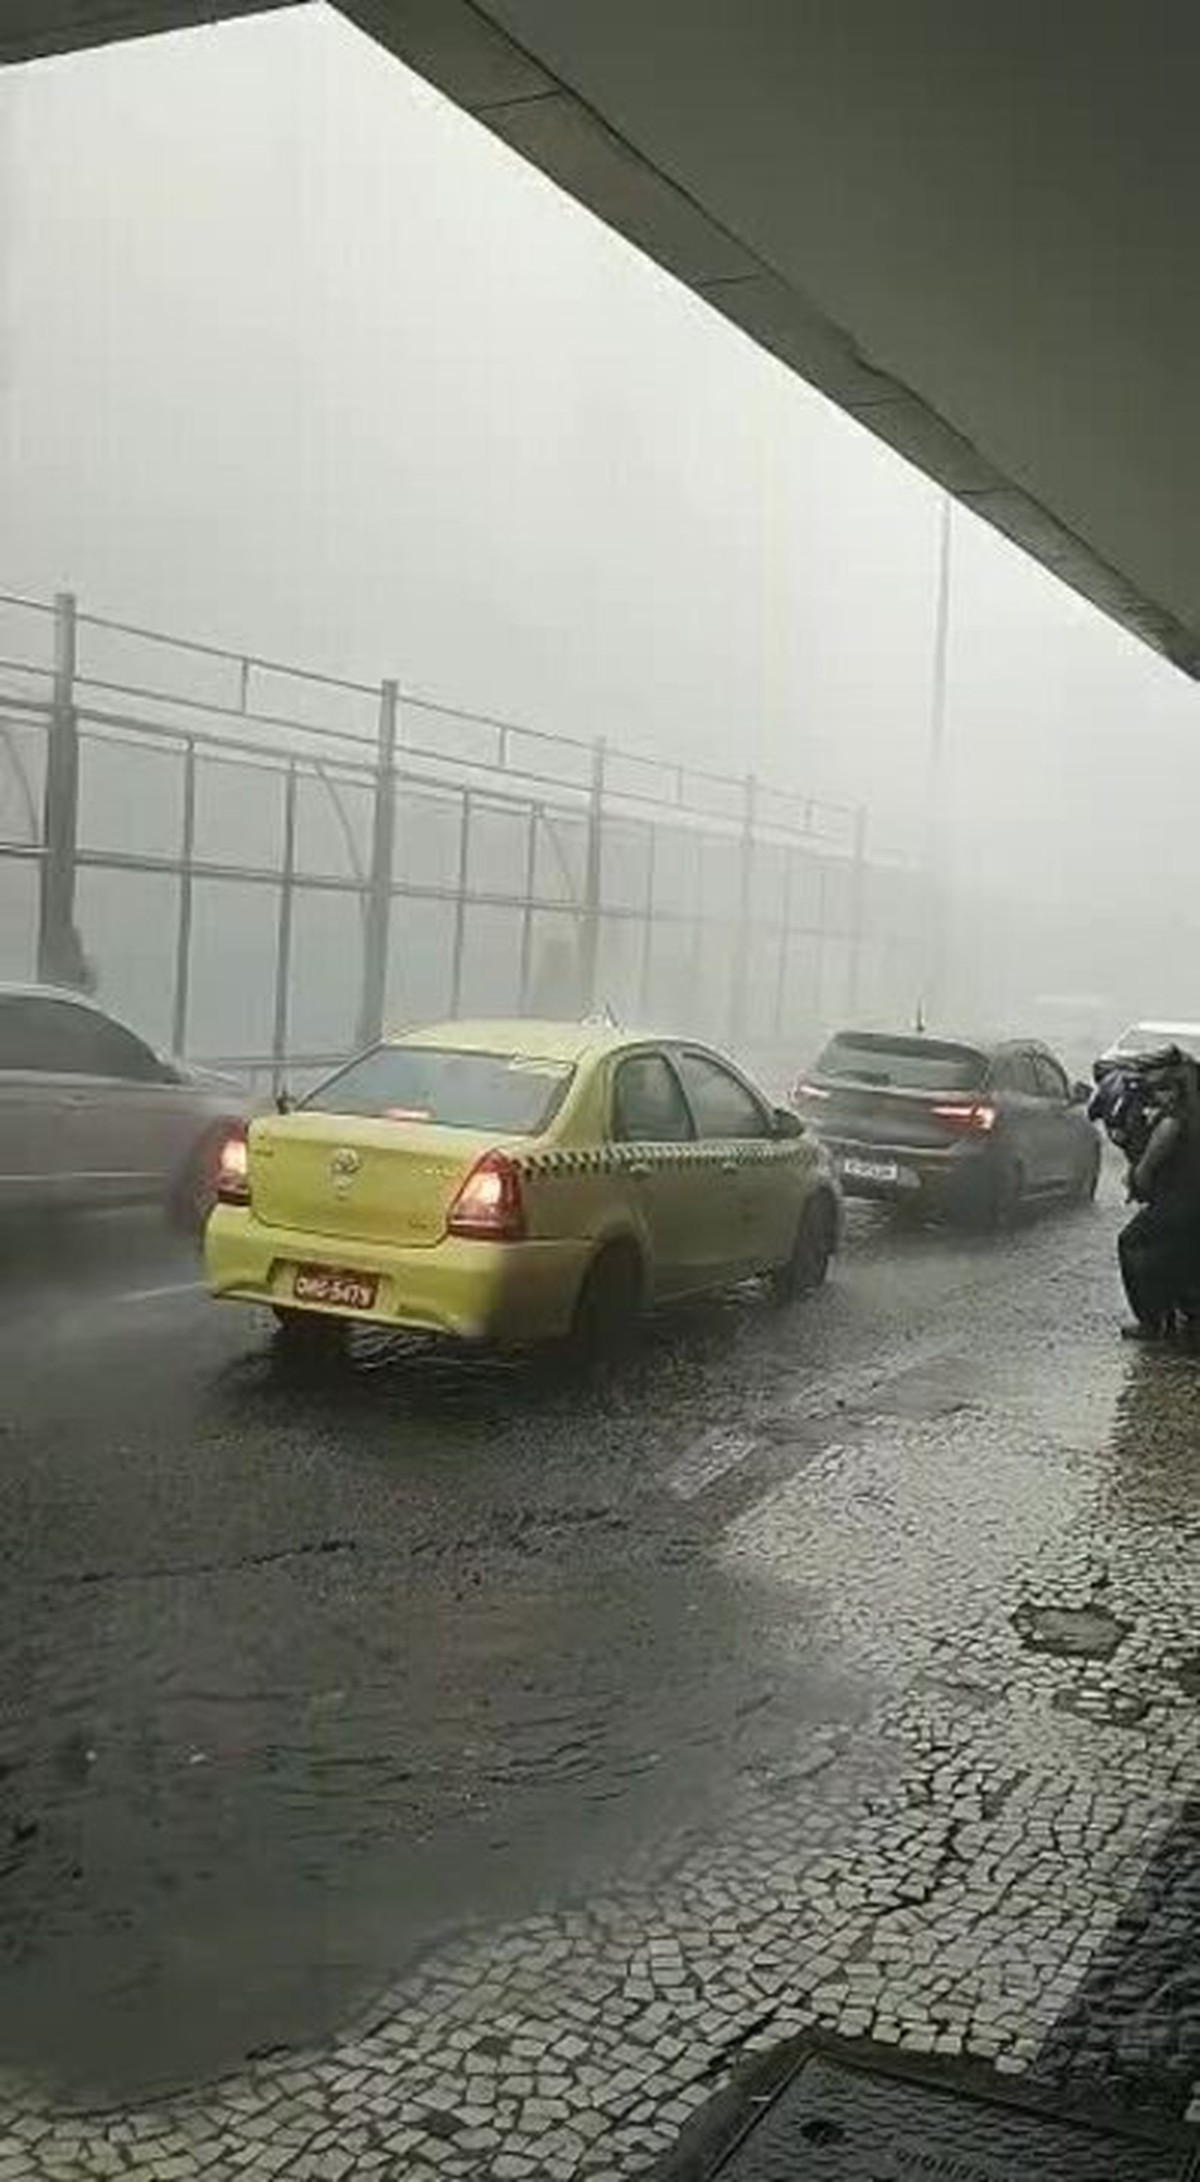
{"points": [[707, 1459], [862, 1388], [155, 1295], [710, 1457], [852, 1386]]}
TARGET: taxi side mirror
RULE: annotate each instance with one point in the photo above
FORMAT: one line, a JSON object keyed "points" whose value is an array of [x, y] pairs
{"points": [[787, 1123]]}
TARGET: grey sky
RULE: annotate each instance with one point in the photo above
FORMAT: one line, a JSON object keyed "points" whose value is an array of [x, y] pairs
{"points": [[302, 360]]}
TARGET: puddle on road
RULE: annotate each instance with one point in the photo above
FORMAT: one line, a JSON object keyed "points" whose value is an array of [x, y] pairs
{"points": [[285, 1782], [1070, 1632]]}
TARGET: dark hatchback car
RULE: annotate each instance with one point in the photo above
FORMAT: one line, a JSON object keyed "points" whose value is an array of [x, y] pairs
{"points": [[950, 1128]]}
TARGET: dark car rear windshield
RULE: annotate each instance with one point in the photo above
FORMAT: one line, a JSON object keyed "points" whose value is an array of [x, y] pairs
{"points": [[504, 1092], [902, 1064]]}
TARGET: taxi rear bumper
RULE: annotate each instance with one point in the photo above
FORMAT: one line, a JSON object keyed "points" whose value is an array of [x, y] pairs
{"points": [[469, 1290]]}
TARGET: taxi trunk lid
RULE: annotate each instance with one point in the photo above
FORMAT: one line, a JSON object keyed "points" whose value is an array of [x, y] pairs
{"points": [[359, 1178]]}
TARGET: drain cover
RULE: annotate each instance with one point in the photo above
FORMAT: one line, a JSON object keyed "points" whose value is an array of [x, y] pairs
{"points": [[841, 2119]]}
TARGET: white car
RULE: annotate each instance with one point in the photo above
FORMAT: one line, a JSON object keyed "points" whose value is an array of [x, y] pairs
{"points": [[1151, 1037], [91, 1115]]}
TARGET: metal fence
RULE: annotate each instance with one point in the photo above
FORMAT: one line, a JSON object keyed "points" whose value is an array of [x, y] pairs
{"points": [[265, 865]]}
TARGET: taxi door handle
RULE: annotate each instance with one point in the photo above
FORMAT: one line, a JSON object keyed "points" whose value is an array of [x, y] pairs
{"points": [[730, 1166], [640, 1168]]}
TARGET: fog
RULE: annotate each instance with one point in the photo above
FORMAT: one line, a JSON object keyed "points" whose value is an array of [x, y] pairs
{"points": [[301, 361]]}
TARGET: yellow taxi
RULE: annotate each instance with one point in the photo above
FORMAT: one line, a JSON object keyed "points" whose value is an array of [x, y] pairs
{"points": [[513, 1182]]}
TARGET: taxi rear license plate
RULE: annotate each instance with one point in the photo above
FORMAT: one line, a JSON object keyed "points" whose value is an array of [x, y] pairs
{"points": [[871, 1170], [329, 1285]]}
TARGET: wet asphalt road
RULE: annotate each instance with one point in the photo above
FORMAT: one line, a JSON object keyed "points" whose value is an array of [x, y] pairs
{"points": [[304, 1674]]}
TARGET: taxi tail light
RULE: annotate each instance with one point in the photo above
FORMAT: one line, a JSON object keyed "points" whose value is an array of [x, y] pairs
{"points": [[490, 1207], [233, 1169], [975, 1117]]}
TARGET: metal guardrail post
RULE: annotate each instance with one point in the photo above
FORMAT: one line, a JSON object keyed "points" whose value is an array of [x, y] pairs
{"points": [[857, 894], [58, 946], [283, 941], [741, 945], [460, 904], [589, 934], [183, 930], [378, 917]]}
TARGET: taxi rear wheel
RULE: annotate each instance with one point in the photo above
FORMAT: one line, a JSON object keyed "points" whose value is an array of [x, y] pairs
{"points": [[812, 1250], [610, 1302]]}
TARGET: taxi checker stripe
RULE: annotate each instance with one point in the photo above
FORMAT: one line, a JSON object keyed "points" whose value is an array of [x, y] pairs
{"points": [[611, 1158]]}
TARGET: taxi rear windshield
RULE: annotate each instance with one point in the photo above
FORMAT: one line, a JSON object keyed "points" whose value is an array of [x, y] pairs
{"points": [[504, 1092], [903, 1064]]}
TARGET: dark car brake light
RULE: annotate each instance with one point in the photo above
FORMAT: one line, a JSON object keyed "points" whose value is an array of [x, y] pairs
{"points": [[490, 1207], [977, 1117]]}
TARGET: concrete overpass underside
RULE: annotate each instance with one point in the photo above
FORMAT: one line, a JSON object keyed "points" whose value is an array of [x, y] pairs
{"points": [[971, 223]]}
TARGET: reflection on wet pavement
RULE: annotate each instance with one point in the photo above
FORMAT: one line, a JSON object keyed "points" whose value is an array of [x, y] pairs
{"points": [[517, 1753]]}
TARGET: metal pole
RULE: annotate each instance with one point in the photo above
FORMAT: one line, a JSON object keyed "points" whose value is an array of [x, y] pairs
{"points": [[857, 889], [378, 913], [785, 936], [932, 876], [695, 974], [819, 952], [589, 950], [527, 912], [283, 943], [346, 830], [741, 948], [460, 903], [183, 933], [648, 926], [57, 948]]}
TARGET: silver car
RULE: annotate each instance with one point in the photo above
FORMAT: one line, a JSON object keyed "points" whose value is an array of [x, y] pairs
{"points": [[1152, 1037], [91, 1115]]}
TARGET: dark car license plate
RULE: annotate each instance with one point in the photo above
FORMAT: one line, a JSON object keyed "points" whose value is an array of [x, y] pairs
{"points": [[869, 1170]]}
